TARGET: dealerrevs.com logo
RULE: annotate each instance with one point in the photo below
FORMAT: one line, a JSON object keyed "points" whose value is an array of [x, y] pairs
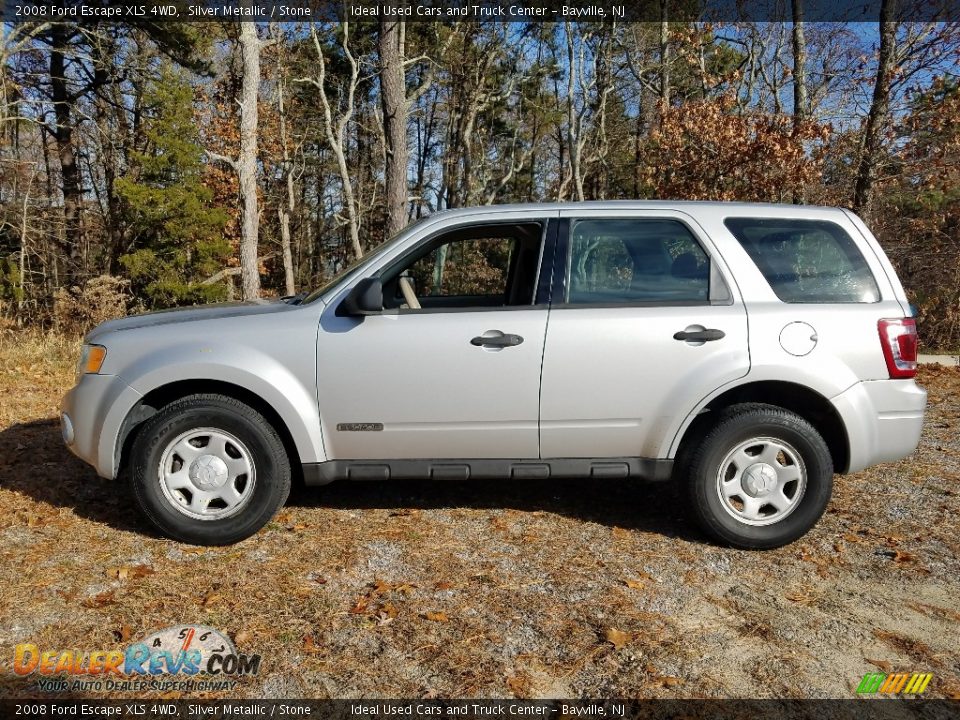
{"points": [[170, 659]]}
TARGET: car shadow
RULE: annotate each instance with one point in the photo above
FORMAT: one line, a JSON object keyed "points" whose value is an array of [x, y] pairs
{"points": [[35, 462]]}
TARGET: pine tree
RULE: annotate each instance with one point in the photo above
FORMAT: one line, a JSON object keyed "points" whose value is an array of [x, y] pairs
{"points": [[177, 232]]}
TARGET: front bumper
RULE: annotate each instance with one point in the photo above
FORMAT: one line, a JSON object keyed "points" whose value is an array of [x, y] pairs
{"points": [[91, 415], [883, 419]]}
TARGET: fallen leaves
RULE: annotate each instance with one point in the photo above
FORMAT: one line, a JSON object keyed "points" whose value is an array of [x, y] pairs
{"points": [[67, 595], [519, 685], [803, 595], [386, 613], [363, 602], [882, 664], [374, 603], [902, 556], [639, 581], [934, 611], [122, 634], [100, 600], [618, 638], [129, 572], [309, 645], [917, 650], [436, 616]]}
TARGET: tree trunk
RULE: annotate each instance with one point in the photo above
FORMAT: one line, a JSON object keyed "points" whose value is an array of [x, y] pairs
{"points": [[247, 160], [71, 182], [285, 209], [800, 102], [879, 108], [335, 132], [664, 54], [393, 96], [574, 121]]}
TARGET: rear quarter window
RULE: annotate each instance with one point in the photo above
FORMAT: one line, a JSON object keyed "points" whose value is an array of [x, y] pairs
{"points": [[806, 261]]}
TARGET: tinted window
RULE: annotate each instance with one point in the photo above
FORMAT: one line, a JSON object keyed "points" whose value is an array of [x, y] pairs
{"points": [[806, 261], [617, 261]]}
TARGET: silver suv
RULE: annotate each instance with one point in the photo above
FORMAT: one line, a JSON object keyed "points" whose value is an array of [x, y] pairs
{"points": [[747, 352]]}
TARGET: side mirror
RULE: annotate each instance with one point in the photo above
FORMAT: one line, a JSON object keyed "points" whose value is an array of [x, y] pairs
{"points": [[366, 298]]}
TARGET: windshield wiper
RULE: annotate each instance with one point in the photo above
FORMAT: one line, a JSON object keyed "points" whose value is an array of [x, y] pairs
{"points": [[295, 299]]}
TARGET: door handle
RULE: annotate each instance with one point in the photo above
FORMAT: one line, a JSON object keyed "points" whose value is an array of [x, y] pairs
{"points": [[495, 338], [707, 335]]}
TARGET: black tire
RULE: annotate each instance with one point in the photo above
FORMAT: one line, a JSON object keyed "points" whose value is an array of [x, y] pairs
{"points": [[739, 424], [219, 412]]}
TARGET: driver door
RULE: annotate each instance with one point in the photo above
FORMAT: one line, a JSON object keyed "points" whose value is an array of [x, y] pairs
{"points": [[456, 377]]}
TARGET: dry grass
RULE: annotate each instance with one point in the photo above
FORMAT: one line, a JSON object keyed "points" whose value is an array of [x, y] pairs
{"points": [[540, 589]]}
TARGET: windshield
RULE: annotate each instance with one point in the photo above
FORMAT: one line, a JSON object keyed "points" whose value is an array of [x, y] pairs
{"points": [[358, 263]]}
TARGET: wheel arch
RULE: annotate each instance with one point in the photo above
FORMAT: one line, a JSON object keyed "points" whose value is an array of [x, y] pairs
{"points": [[800, 399], [158, 398]]}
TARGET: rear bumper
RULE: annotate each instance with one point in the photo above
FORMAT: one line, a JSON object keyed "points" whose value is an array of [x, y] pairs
{"points": [[91, 414], [883, 419]]}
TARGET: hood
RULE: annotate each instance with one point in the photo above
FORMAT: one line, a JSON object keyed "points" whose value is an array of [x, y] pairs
{"points": [[213, 311]]}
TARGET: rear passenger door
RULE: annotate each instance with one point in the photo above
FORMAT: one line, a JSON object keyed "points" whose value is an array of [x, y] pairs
{"points": [[643, 325]]}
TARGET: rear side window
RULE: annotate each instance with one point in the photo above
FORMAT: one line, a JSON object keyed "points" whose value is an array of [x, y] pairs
{"points": [[636, 261], [806, 261]]}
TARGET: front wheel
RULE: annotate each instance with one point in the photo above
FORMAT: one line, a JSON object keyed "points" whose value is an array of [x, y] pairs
{"points": [[761, 477], [209, 470]]}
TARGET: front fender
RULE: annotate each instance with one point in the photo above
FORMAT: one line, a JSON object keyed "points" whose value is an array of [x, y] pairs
{"points": [[272, 381]]}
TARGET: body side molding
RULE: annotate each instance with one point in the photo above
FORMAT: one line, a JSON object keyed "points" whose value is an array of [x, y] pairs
{"points": [[487, 469]]}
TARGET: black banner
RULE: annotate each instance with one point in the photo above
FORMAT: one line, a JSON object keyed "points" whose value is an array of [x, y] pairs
{"points": [[854, 709], [468, 10]]}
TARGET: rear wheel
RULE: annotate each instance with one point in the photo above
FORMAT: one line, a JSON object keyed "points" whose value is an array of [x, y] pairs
{"points": [[760, 478], [209, 470]]}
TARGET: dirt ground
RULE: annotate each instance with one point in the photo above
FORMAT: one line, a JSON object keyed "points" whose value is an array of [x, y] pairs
{"points": [[544, 589]]}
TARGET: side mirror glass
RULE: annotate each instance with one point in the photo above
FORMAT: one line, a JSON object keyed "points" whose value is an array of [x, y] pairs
{"points": [[366, 298]]}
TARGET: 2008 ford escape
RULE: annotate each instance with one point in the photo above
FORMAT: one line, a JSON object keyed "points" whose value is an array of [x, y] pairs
{"points": [[746, 351]]}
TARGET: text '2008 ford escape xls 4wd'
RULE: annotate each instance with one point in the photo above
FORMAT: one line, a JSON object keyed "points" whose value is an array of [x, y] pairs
{"points": [[746, 351]]}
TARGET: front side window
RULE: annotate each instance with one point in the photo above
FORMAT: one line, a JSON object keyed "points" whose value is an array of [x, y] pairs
{"points": [[467, 268], [635, 261], [473, 267], [806, 261]]}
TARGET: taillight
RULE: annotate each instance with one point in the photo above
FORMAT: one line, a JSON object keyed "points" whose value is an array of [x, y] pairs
{"points": [[898, 338]]}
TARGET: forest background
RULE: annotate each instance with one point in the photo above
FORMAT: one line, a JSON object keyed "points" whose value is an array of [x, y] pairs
{"points": [[150, 165]]}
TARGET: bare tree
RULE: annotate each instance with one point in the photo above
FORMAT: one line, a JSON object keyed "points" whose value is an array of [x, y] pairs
{"points": [[287, 206], [245, 164], [71, 183], [879, 113], [335, 129], [576, 138], [665, 53], [247, 160], [589, 85], [393, 98], [396, 102], [800, 100]]}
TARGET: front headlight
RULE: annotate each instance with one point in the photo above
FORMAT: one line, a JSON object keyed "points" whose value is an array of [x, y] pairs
{"points": [[91, 359]]}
